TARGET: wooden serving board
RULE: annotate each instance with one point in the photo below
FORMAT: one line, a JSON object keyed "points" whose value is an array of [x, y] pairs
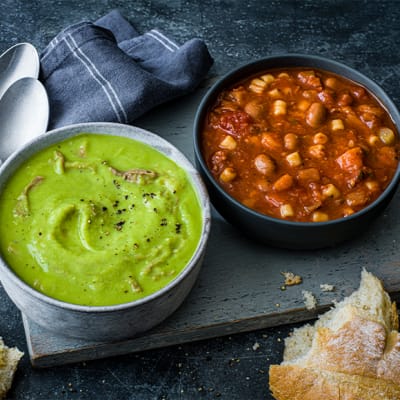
{"points": [[239, 290], [239, 287]]}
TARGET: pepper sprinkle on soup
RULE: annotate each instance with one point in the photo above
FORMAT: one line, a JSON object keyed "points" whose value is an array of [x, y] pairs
{"points": [[300, 144]]}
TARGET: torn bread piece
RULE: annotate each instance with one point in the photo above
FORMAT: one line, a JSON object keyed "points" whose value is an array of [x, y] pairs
{"points": [[325, 287], [309, 300], [352, 352], [291, 278], [9, 359]]}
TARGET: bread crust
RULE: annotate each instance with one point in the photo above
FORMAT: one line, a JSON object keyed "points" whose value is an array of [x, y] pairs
{"points": [[302, 383], [9, 359]]}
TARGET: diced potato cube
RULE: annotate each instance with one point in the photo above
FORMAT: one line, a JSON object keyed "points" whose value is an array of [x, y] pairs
{"points": [[337, 125], [294, 159], [286, 210], [228, 175], [319, 216], [330, 190]]}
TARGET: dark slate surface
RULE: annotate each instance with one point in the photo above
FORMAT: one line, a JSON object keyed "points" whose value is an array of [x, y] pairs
{"points": [[363, 34]]}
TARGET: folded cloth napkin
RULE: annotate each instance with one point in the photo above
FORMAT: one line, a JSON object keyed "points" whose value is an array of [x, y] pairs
{"points": [[106, 71]]}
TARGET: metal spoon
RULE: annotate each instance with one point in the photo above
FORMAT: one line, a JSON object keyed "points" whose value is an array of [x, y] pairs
{"points": [[24, 114], [19, 61]]}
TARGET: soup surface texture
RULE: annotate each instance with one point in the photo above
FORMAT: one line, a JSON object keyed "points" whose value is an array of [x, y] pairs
{"points": [[99, 220], [300, 144]]}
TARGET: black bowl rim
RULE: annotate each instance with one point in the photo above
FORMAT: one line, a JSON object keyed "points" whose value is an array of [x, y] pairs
{"points": [[294, 60]]}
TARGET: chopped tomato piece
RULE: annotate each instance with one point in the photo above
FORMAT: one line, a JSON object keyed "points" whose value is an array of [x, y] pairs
{"points": [[234, 122]]}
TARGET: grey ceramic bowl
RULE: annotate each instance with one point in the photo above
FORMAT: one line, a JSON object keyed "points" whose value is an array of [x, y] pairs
{"points": [[279, 232], [105, 322]]}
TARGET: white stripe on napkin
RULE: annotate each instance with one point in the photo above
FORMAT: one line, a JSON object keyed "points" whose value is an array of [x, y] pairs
{"points": [[167, 40], [99, 78], [167, 43]]}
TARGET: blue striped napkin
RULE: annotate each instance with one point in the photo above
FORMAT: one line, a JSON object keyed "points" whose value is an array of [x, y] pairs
{"points": [[107, 71]]}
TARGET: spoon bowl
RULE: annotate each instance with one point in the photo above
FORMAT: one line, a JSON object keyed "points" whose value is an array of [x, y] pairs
{"points": [[24, 114], [19, 61]]}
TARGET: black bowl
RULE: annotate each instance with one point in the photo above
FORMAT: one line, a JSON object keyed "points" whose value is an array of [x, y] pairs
{"points": [[279, 232]]}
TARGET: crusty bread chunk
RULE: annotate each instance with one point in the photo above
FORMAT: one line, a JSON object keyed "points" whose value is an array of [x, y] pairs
{"points": [[352, 352], [9, 358]]}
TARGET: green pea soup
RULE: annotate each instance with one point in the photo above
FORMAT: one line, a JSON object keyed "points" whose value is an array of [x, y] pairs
{"points": [[99, 220]]}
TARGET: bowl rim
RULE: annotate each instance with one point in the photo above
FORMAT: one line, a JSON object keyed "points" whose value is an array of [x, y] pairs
{"points": [[292, 60], [135, 133]]}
